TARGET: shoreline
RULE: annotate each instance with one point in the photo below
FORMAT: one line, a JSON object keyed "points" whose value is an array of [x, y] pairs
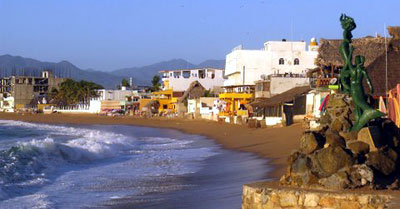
{"points": [[274, 144]]}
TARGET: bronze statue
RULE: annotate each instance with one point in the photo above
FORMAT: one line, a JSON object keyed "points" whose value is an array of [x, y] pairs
{"points": [[351, 77], [346, 51]]}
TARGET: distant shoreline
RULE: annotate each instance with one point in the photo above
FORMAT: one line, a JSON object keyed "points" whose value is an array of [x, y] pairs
{"points": [[275, 144]]}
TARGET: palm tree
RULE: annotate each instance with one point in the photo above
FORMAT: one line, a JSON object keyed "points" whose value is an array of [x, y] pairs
{"points": [[72, 92], [156, 83]]}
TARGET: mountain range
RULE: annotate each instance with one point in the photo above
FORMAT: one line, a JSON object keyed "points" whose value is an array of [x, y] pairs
{"points": [[17, 65]]}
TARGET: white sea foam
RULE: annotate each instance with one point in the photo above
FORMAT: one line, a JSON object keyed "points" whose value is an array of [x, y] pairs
{"points": [[135, 161]]}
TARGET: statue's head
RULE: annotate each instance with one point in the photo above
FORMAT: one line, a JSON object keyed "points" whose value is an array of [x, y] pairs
{"points": [[347, 23], [360, 60]]}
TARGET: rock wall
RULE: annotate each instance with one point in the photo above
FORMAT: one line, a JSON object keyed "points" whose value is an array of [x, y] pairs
{"points": [[335, 158], [261, 196]]}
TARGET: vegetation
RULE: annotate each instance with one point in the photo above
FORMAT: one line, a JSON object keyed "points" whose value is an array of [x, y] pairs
{"points": [[124, 82], [156, 83], [74, 92]]}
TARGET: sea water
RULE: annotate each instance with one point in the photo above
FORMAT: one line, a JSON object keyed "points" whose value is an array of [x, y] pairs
{"points": [[114, 166]]}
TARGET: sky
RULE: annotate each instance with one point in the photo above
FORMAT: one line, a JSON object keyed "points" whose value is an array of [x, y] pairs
{"points": [[111, 34]]}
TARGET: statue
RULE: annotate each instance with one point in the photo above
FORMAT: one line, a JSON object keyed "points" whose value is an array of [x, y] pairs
{"points": [[346, 51], [352, 76]]}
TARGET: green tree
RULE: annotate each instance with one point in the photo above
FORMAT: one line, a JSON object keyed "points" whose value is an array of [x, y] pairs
{"points": [[156, 83], [75, 92], [124, 82]]}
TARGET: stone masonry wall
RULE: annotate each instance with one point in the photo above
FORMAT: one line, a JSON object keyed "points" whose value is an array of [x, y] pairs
{"points": [[260, 196]]}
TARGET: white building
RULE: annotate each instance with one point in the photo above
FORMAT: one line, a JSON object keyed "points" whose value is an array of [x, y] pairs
{"points": [[180, 80], [116, 95], [244, 67]]}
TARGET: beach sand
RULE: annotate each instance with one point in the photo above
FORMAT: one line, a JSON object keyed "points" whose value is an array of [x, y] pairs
{"points": [[275, 144]]}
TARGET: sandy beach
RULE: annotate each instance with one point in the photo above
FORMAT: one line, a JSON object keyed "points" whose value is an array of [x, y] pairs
{"points": [[275, 144]]}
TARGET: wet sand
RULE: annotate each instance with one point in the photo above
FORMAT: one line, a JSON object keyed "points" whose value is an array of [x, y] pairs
{"points": [[275, 144]]}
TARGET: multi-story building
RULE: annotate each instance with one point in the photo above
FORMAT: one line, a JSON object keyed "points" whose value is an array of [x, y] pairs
{"points": [[22, 90], [245, 67], [180, 80]]}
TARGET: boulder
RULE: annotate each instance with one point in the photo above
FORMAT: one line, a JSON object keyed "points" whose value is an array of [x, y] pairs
{"points": [[336, 181], [336, 101], [358, 147], [334, 139], [329, 160], [309, 142], [298, 172], [372, 136], [381, 162], [336, 125], [348, 136], [360, 175]]}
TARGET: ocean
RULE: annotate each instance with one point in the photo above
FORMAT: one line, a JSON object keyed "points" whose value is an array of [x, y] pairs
{"points": [[117, 166]]}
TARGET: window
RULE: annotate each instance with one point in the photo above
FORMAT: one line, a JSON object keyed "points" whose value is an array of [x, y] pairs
{"points": [[296, 61], [186, 74], [281, 61], [202, 73], [177, 74]]}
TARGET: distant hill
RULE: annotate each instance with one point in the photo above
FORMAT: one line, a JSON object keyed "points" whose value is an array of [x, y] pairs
{"points": [[146, 73], [219, 64], [17, 65]]}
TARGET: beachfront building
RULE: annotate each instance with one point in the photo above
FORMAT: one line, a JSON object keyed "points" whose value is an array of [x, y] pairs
{"points": [[283, 108], [277, 83], [288, 58], [204, 107], [161, 102], [180, 80], [118, 99], [23, 91], [235, 100]]}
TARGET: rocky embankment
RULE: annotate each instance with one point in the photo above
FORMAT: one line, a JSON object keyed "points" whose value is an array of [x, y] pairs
{"points": [[334, 158]]}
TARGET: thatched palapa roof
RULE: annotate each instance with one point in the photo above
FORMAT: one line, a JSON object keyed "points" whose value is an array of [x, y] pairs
{"points": [[377, 70], [279, 99], [370, 47], [195, 90]]}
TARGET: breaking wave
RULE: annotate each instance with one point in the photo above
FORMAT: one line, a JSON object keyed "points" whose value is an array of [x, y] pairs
{"points": [[47, 166], [28, 162]]}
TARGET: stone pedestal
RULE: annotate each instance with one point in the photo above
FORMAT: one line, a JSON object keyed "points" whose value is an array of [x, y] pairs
{"points": [[268, 195]]}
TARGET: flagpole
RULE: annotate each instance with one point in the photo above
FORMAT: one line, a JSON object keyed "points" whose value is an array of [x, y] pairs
{"points": [[386, 59]]}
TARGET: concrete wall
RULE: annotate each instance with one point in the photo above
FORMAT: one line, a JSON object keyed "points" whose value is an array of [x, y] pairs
{"points": [[282, 84], [23, 94], [244, 67], [182, 84], [115, 95], [195, 105]]}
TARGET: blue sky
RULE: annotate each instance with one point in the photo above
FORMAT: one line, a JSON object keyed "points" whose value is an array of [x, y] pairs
{"points": [[111, 34]]}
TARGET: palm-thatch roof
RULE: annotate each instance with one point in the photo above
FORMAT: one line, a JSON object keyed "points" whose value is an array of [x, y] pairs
{"points": [[377, 70], [279, 99], [370, 47], [195, 90]]}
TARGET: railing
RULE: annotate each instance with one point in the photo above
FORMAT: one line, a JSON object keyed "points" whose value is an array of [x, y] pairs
{"points": [[322, 82]]}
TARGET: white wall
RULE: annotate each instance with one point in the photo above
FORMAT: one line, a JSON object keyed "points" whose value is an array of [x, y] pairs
{"points": [[182, 84], [282, 84], [266, 62], [247, 65], [115, 95]]}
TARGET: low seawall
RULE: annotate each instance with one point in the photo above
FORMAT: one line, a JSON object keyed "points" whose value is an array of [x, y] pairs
{"points": [[267, 195]]}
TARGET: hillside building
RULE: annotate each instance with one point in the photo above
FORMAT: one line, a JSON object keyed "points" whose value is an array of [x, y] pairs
{"points": [[245, 67], [180, 80]]}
